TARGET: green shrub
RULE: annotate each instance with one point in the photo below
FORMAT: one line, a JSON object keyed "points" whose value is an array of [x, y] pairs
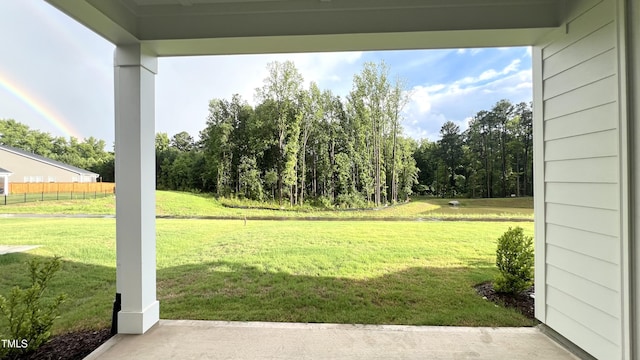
{"points": [[515, 261], [28, 315], [351, 201], [322, 202]]}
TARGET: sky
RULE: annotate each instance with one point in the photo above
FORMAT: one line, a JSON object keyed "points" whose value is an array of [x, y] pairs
{"points": [[57, 76]]}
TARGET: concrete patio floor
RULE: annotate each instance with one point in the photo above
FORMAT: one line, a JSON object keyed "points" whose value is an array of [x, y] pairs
{"points": [[188, 339], [8, 249]]}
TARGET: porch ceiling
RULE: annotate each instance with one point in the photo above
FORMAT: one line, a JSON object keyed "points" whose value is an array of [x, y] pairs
{"points": [[199, 27]]}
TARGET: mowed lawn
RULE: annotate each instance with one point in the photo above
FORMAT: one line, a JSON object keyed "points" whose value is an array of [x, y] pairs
{"points": [[182, 204], [365, 272]]}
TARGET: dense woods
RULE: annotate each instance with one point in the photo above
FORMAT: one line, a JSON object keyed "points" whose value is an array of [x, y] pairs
{"points": [[300, 145], [493, 157]]}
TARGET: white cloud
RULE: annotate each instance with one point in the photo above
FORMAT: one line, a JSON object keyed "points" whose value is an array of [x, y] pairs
{"points": [[436, 88], [489, 74], [431, 105], [471, 52], [327, 68], [513, 66], [424, 60], [419, 97], [184, 86]]}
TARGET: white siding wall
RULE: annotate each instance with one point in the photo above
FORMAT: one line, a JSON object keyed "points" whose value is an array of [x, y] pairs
{"points": [[633, 58], [582, 181]]}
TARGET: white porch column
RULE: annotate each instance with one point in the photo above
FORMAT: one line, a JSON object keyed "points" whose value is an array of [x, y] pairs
{"points": [[135, 188], [6, 185]]}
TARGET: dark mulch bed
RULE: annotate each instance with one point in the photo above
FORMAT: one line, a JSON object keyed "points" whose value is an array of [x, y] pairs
{"points": [[522, 302], [70, 346]]}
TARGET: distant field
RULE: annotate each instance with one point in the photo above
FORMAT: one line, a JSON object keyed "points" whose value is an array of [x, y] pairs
{"points": [[503, 207], [187, 204], [372, 272]]}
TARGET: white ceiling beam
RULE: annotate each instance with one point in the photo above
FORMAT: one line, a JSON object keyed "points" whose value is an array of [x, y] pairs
{"points": [[348, 42]]}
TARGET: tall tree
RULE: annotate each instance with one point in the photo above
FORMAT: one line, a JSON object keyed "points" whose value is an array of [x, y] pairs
{"points": [[396, 102], [369, 98], [426, 158], [311, 114], [524, 134], [162, 147], [182, 141], [218, 147], [502, 112], [480, 139], [15, 134], [407, 169], [162, 141], [250, 184], [450, 146], [282, 86]]}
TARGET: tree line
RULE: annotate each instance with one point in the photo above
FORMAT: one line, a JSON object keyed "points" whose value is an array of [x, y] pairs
{"points": [[306, 144], [299, 143], [89, 154], [493, 157]]}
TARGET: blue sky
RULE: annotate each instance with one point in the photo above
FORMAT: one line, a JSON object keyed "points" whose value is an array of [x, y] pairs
{"points": [[55, 71]]}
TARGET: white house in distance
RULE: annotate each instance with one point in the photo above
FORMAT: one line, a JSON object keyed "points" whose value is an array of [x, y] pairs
{"points": [[4, 181], [31, 168], [586, 74]]}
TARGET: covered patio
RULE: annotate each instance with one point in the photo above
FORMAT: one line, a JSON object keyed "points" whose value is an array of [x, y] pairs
{"points": [[586, 133], [188, 339]]}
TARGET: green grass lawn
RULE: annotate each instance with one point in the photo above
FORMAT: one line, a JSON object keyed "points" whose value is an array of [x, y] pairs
{"points": [[171, 203], [521, 207], [419, 273], [100, 206]]}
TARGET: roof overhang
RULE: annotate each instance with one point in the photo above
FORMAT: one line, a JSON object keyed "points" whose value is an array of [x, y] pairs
{"points": [[212, 27]]}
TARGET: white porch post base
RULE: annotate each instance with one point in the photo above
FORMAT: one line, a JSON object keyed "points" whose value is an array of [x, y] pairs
{"points": [[138, 322]]}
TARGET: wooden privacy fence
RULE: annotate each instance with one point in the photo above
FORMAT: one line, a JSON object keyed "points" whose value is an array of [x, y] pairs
{"points": [[61, 187]]}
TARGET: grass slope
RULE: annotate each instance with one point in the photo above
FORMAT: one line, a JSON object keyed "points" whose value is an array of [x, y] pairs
{"points": [[418, 273], [170, 203]]}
